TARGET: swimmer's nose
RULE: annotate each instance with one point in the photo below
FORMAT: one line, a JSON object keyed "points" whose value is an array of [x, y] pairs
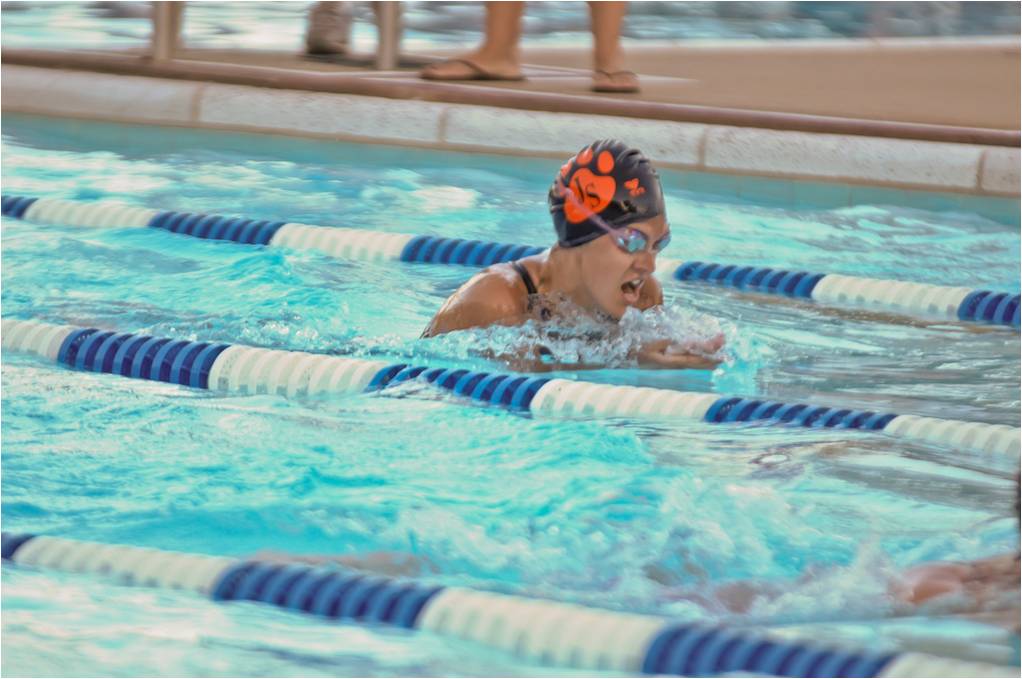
{"points": [[645, 262]]}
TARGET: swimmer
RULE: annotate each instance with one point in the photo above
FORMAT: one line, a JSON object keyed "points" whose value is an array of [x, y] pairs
{"points": [[608, 211], [989, 585]]}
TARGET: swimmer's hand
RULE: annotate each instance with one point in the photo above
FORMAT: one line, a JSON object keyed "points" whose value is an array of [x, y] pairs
{"points": [[692, 355]]}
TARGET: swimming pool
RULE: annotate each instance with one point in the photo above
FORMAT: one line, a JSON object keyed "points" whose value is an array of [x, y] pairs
{"points": [[613, 513]]}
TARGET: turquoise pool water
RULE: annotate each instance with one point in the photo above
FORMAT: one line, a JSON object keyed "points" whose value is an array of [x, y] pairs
{"points": [[611, 513]]}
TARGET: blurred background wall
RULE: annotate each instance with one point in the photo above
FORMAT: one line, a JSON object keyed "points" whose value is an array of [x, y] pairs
{"points": [[432, 25]]}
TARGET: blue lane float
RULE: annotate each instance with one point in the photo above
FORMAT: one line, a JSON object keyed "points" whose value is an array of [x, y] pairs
{"points": [[963, 304], [434, 250], [214, 227], [895, 297], [986, 306], [337, 594], [15, 206], [759, 279], [541, 631], [240, 369]]}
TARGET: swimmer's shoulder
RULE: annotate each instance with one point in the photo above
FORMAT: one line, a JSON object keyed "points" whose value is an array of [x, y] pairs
{"points": [[495, 296], [500, 286]]}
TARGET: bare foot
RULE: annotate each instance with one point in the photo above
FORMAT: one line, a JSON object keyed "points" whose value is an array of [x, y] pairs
{"points": [[615, 81]]}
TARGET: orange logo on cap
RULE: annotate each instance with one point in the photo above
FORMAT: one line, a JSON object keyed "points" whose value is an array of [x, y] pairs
{"points": [[633, 187], [589, 193]]}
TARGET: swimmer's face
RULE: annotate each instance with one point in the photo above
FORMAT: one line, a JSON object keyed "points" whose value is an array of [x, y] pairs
{"points": [[614, 278]]}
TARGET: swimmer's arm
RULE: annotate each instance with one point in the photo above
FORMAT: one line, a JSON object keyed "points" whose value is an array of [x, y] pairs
{"points": [[394, 564], [730, 598], [1000, 566], [534, 363], [978, 580]]}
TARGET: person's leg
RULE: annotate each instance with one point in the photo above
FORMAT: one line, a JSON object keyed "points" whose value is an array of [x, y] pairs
{"points": [[608, 57], [498, 55], [503, 31], [329, 28]]}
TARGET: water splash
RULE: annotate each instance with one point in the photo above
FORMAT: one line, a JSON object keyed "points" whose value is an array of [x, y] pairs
{"points": [[579, 338]]}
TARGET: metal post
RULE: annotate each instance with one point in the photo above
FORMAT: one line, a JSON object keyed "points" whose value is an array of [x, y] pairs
{"points": [[166, 30], [388, 30]]}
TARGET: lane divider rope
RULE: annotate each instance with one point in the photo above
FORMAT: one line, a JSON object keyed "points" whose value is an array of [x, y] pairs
{"points": [[897, 297], [240, 369], [536, 630]]}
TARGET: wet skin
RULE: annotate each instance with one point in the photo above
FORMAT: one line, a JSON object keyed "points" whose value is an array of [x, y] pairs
{"points": [[597, 276]]}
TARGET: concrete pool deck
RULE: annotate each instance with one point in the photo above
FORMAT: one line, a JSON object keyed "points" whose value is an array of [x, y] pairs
{"points": [[964, 83], [938, 115]]}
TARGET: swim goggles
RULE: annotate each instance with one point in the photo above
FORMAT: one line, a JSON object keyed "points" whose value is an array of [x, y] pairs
{"points": [[634, 241]]}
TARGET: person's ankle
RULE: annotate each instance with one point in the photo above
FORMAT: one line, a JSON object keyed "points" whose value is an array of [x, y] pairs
{"points": [[609, 63], [500, 59]]}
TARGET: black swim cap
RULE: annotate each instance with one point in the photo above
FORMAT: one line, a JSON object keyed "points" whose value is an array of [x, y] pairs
{"points": [[609, 180]]}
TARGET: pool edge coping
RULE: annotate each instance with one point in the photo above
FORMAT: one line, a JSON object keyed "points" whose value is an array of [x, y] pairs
{"points": [[784, 154]]}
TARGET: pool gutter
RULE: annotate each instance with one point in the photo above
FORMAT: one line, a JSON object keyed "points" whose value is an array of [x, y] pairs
{"points": [[126, 88]]}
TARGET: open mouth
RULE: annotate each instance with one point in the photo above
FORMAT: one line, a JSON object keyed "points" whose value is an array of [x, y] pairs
{"points": [[631, 290]]}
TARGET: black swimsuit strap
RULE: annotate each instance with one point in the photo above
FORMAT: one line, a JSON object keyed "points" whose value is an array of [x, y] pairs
{"points": [[530, 287]]}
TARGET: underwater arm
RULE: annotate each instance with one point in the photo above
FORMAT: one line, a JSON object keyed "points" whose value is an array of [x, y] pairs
{"points": [[393, 564], [667, 355]]}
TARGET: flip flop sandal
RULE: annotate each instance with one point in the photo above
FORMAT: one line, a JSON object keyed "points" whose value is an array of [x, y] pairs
{"points": [[608, 84], [475, 72]]}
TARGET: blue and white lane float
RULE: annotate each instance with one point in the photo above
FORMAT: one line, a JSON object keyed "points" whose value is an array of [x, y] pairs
{"points": [[240, 369], [536, 630], [896, 297]]}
